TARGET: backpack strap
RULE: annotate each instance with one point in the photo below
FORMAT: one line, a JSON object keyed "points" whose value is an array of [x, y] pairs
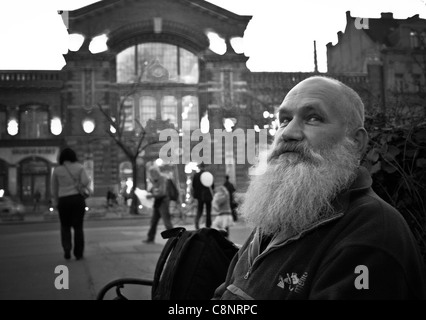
{"points": [[172, 254], [173, 235], [76, 182]]}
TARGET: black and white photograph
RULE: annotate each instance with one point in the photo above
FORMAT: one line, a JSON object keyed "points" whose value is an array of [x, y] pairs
{"points": [[198, 152]]}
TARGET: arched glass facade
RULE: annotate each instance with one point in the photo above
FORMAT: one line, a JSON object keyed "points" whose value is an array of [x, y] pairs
{"points": [[147, 61]]}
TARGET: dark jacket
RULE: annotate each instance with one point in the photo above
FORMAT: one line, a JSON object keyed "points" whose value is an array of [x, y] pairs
{"points": [[199, 191], [231, 189], [364, 251]]}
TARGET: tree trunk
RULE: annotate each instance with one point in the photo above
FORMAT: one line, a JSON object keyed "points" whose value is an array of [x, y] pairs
{"points": [[134, 204]]}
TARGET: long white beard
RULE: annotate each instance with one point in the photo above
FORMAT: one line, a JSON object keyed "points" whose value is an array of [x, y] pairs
{"points": [[298, 188]]}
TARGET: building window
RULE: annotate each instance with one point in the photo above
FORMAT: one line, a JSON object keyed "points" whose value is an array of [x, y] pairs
{"points": [[3, 124], [33, 122], [416, 82], [414, 39], [148, 109], [138, 63], [3, 176], [129, 114], [169, 109], [34, 175], [125, 66], [399, 82], [190, 111]]}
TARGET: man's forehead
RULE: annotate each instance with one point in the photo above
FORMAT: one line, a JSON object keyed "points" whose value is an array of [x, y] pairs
{"points": [[313, 93]]}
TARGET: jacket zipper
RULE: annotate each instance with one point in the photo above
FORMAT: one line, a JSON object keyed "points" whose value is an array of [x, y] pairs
{"points": [[294, 238], [246, 276], [248, 273]]}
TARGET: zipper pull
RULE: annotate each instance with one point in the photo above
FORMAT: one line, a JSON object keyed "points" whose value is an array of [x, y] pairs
{"points": [[247, 274]]}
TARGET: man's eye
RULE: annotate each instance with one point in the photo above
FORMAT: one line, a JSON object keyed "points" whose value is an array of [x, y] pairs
{"points": [[314, 118], [284, 122]]}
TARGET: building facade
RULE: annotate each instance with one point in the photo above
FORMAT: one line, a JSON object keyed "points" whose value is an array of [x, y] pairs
{"points": [[158, 68], [393, 48]]}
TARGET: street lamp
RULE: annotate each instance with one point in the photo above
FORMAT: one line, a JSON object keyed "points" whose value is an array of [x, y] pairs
{"points": [[88, 125], [56, 126], [12, 127]]}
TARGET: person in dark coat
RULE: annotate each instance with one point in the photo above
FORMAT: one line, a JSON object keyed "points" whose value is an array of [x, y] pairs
{"points": [[204, 196], [231, 190]]}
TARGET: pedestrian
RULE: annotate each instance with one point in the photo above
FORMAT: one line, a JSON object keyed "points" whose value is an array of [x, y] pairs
{"points": [[69, 202], [319, 230], [158, 191], [111, 198], [221, 205], [204, 196], [36, 200], [231, 190]]}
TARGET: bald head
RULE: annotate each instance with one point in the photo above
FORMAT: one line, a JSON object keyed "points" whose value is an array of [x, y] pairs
{"points": [[344, 101]]}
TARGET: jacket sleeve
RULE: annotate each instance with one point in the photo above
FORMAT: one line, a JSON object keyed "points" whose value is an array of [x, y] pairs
{"points": [[363, 272], [222, 288]]}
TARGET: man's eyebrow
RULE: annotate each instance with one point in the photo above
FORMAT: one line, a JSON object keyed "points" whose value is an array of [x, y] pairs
{"points": [[309, 107]]}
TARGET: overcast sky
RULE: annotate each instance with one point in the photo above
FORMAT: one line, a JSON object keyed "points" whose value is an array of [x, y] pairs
{"points": [[278, 38]]}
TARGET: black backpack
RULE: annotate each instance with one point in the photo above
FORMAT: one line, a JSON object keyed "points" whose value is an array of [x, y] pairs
{"points": [[172, 191], [192, 264]]}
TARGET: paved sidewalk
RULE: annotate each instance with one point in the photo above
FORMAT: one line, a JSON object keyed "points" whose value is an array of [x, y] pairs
{"points": [[94, 213]]}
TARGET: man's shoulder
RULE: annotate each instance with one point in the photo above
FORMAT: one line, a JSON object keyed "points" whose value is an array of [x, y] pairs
{"points": [[370, 220], [370, 205]]}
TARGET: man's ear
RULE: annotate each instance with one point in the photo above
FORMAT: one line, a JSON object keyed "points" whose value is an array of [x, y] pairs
{"points": [[360, 137]]}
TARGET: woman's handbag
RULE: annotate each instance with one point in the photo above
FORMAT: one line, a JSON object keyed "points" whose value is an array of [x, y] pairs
{"points": [[82, 189]]}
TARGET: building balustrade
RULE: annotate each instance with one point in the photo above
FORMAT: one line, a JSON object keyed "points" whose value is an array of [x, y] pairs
{"points": [[30, 78]]}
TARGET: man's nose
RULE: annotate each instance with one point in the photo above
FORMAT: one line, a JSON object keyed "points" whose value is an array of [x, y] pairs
{"points": [[293, 131]]}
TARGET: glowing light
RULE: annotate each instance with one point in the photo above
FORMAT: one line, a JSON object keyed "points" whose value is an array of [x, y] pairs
{"points": [[229, 123], [266, 114], [75, 41], [129, 185], [98, 44], [111, 127], [159, 162], [88, 125], [237, 44], [12, 127], [256, 128], [86, 208], [217, 44], [205, 124], [56, 126], [192, 166], [1, 193]]}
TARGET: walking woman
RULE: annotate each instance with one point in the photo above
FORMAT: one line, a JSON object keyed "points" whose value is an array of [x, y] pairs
{"points": [[69, 202]]}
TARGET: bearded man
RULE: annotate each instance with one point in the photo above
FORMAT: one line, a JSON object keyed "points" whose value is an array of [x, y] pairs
{"points": [[320, 231]]}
